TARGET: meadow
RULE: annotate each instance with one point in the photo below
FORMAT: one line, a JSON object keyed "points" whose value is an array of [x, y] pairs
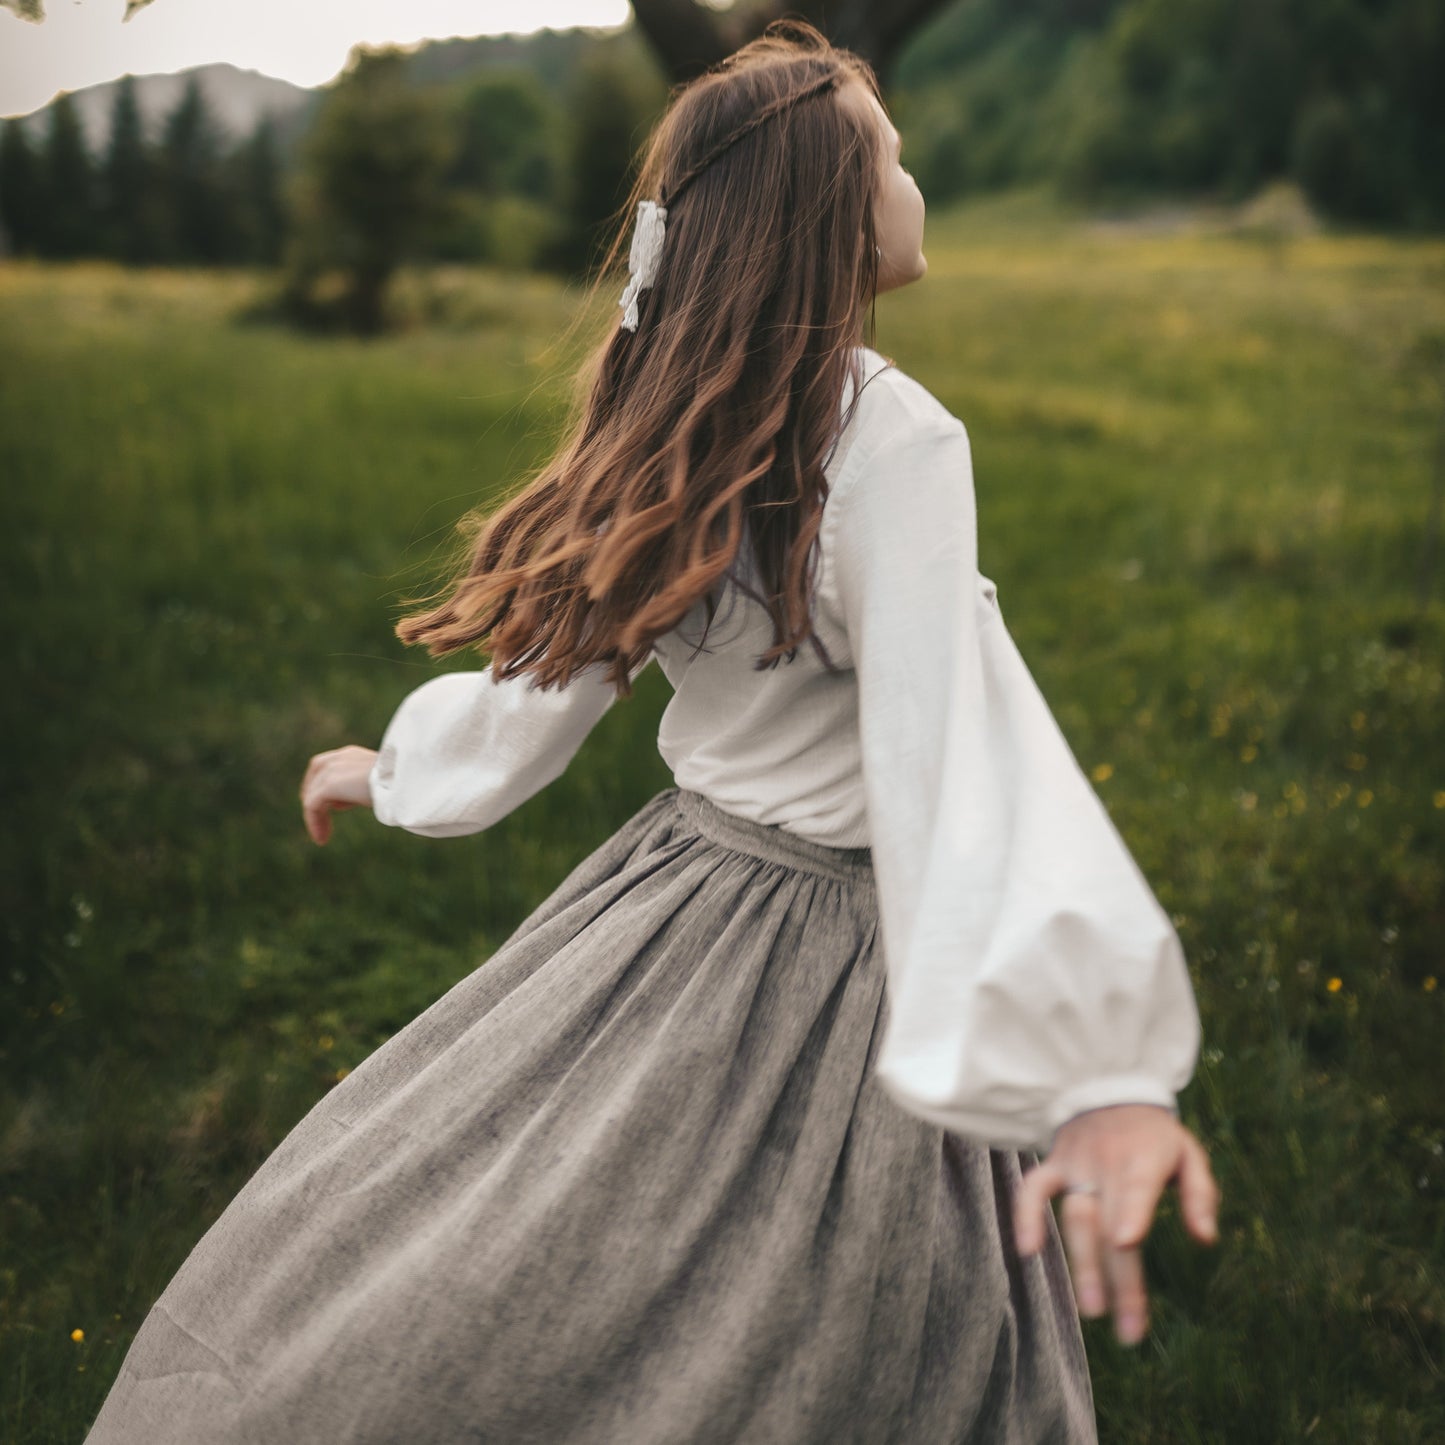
{"points": [[1204, 465]]}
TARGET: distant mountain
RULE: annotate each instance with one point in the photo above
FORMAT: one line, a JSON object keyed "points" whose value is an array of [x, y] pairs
{"points": [[236, 98]]}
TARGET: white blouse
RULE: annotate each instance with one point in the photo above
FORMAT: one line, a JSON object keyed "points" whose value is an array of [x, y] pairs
{"points": [[1032, 974]]}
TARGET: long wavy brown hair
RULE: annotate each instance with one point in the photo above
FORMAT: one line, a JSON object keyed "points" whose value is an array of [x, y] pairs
{"points": [[719, 412]]}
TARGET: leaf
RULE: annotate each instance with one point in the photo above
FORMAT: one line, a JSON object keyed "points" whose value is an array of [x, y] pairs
{"points": [[34, 10]]}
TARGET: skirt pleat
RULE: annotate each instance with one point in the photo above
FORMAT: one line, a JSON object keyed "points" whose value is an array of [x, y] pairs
{"points": [[632, 1181]]}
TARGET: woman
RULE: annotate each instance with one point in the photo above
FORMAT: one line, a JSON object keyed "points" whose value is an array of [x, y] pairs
{"points": [[727, 1141]]}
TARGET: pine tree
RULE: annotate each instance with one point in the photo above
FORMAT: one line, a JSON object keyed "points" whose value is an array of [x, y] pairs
{"points": [[256, 184], [20, 190], [67, 210], [130, 202], [191, 170]]}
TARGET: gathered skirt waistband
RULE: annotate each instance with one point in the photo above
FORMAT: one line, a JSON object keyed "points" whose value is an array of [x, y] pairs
{"points": [[772, 842]]}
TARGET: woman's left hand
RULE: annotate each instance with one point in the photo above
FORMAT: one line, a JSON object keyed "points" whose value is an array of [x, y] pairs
{"points": [[1126, 1154]]}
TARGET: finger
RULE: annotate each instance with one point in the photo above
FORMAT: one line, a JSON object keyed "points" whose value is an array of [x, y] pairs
{"points": [[1079, 1220], [318, 822], [1198, 1193], [1039, 1185], [1125, 1271], [1129, 1205]]}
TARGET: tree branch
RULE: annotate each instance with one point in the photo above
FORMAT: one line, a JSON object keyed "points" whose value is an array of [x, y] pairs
{"points": [[35, 9], [688, 37]]}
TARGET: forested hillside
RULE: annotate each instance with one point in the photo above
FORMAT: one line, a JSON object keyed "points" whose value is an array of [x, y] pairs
{"points": [[1111, 98], [528, 139]]}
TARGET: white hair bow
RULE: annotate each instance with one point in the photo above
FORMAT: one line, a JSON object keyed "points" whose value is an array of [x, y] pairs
{"points": [[646, 252]]}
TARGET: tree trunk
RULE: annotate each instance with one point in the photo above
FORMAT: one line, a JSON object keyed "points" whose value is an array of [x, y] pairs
{"points": [[366, 299], [688, 37]]}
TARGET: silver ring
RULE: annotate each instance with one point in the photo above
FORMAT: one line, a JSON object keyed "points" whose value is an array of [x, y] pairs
{"points": [[1082, 1189]]}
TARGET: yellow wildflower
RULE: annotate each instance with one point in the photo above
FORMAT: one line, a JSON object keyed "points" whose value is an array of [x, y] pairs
{"points": [[1248, 753], [1364, 797], [1103, 772], [1335, 985], [1429, 984], [1439, 799], [77, 1335]]}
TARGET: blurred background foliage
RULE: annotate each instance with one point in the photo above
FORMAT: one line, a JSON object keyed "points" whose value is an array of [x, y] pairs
{"points": [[1115, 99], [516, 151]]}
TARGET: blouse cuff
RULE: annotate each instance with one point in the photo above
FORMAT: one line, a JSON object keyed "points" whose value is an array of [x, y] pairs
{"points": [[466, 748]]}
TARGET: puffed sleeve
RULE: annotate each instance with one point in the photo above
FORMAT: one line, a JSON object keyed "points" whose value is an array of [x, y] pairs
{"points": [[1032, 974], [466, 748]]}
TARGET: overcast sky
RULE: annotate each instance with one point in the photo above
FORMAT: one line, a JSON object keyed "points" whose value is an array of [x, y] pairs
{"points": [[83, 42]]}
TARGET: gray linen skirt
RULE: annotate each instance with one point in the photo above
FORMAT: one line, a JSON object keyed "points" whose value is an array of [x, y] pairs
{"points": [[631, 1182]]}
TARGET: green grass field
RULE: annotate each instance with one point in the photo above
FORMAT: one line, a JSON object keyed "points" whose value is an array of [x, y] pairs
{"points": [[1204, 469]]}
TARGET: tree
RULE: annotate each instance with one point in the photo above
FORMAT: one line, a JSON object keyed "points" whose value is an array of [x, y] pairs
{"points": [[505, 127], [610, 107], [370, 192], [504, 181], [1412, 46], [255, 183], [20, 189], [67, 208], [199, 218], [131, 217]]}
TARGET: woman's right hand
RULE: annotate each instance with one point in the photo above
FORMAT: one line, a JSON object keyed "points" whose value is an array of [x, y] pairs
{"points": [[335, 781], [1111, 1165]]}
